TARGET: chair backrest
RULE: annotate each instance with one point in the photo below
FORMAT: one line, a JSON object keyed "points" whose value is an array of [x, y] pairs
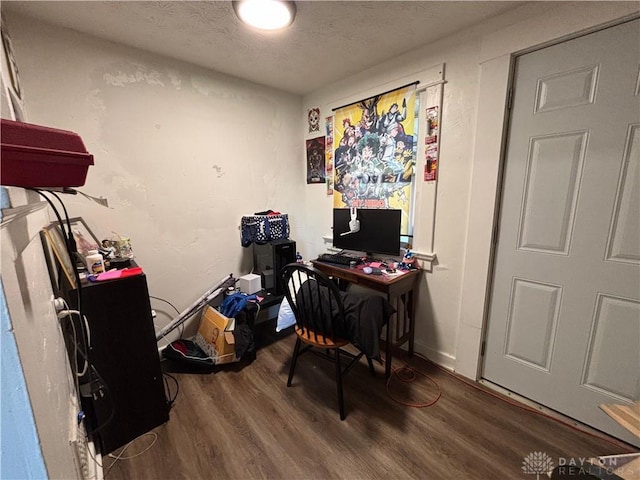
{"points": [[315, 301]]}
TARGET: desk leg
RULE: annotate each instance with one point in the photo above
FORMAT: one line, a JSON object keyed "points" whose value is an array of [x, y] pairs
{"points": [[404, 321], [412, 321], [388, 354]]}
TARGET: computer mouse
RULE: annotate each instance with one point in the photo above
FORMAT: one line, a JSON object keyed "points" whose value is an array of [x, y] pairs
{"points": [[367, 270]]}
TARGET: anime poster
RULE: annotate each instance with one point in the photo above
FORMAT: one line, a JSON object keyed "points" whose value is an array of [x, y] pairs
{"points": [[315, 160], [374, 154]]}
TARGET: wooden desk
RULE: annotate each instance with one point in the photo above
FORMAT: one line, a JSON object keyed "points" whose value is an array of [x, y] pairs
{"points": [[399, 291]]}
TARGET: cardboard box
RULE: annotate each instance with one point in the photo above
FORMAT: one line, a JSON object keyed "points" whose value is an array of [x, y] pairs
{"points": [[215, 336]]}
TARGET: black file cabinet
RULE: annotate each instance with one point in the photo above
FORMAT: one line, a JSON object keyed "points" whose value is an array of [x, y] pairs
{"points": [[126, 397]]}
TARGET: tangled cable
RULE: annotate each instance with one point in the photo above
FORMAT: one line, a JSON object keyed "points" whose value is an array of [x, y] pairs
{"points": [[408, 374]]}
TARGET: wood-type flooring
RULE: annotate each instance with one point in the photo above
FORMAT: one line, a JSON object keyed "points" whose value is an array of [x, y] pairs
{"points": [[242, 422]]}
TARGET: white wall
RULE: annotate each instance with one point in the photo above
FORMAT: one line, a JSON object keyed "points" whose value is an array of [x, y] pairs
{"points": [[181, 153], [41, 350], [439, 296], [450, 311], [31, 338]]}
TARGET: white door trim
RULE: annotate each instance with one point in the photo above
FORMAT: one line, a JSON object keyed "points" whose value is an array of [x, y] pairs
{"points": [[498, 51]]}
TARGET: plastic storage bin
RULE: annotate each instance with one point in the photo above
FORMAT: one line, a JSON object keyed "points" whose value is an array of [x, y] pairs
{"points": [[37, 156]]}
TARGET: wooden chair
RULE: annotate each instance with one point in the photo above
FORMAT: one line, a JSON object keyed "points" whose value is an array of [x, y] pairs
{"points": [[317, 306]]}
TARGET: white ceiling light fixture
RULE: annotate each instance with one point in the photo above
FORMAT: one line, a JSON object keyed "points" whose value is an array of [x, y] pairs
{"points": [[265, 14]]}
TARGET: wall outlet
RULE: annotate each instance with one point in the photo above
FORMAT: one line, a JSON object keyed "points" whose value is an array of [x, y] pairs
{"points": [[58, 304]]}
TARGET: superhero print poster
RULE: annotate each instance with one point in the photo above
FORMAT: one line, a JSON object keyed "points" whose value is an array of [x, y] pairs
{"points": [[374, 155], [315, 160]]}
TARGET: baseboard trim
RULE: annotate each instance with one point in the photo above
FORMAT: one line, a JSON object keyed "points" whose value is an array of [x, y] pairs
{"points": [[438, 357]]}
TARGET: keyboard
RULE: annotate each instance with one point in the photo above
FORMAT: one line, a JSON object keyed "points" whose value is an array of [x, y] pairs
{"points": [[338, 258]]}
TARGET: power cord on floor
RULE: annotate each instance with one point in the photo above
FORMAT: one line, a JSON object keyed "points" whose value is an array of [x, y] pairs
{"points": [[120, 456], [170, 400], [486, 390], [408, 374]]}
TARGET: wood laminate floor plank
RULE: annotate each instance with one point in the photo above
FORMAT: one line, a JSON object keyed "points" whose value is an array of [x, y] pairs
{"points": [[242, 422]]}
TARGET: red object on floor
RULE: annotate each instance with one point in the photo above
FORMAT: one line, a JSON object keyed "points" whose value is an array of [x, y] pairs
{"points": [[37, 156]]}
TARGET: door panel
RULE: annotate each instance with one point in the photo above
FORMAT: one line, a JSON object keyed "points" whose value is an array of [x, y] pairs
{"points": [[614, 329], [552, 179], [624, 240], [564, 316], [532, 322]]}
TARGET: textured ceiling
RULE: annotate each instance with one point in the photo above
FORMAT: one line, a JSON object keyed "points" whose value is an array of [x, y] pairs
{"points": [[328, 41]]}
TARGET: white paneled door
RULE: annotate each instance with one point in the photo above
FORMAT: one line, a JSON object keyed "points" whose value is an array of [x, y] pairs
{"points": [[564, 318]]}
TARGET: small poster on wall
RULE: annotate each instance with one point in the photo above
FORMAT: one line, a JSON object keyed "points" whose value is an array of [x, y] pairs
{"points": [[313, 117], [315, 160], [432, 124], [431, 146], [431, 163], [329, 154]]}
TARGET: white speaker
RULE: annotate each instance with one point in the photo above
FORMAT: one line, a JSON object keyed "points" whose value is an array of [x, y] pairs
{"points": [[250, 283]]}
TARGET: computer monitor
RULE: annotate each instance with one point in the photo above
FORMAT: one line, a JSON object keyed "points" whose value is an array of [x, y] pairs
{"points": [[379, 231]]}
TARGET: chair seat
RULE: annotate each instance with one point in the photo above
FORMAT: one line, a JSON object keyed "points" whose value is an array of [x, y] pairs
{"points": [[318, 340], [317, 305]]}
